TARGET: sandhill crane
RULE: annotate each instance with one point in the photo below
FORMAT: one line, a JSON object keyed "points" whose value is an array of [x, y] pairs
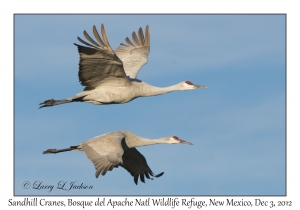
{"points": [[109, 76], [114, 149]]}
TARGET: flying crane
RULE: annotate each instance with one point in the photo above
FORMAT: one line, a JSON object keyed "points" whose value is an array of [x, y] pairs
{"points": [[109, 77], [114, 149]]}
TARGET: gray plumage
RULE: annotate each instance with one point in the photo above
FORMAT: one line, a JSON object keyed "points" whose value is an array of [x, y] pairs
{"points": [[114, 149], [109, 77]]}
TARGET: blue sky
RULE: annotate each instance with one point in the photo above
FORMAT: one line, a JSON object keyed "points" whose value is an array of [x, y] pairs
{"points": [[237, 125]]}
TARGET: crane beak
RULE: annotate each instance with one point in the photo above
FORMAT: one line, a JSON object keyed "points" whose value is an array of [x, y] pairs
{"points": [[185, 142], [199, 86]]}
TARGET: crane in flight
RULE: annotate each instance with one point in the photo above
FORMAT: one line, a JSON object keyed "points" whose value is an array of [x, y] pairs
{"points": [[114, 149], [109, 77]]}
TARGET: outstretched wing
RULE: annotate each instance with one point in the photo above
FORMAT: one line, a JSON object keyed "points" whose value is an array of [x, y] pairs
{"points": [[99, 64], [135, 163], [104, 151], [135, 55]]}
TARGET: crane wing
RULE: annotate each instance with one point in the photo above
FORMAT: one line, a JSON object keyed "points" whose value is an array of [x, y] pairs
{"points": [[135, 163], [134, 56], [99, 64], [104, 151]]}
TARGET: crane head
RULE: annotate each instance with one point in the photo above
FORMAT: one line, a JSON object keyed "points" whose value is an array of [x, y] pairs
{"points": [[176, 140], [187, 85]]}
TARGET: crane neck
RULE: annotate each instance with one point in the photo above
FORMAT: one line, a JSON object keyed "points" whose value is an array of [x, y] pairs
{"points": [[133, 140], [149, 90], [146, 142]]}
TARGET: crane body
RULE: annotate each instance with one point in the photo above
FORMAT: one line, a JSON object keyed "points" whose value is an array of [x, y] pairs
{"points": [[114, 149], [120, 94]]}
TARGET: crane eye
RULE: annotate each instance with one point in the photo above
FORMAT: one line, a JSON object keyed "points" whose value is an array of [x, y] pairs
{"points": [[188, 82], [175, 137]]}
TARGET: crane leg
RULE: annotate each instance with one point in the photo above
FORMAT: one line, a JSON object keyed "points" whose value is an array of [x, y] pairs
{"points": [[54, 151], [53, 102]]}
